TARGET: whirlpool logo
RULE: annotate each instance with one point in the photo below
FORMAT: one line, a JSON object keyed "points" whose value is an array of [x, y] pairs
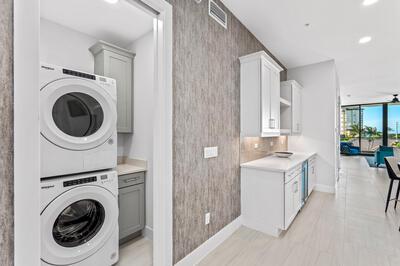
{"points": [[48, 187], [47, 68]]}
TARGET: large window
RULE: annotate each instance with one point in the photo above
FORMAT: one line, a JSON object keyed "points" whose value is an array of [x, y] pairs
{"points": [[365, 126], [350, 125], [371, 129], [393, 127]]}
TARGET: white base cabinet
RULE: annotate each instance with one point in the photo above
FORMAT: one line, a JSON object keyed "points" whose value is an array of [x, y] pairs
{"points": [[273, 189], [292, 199], [270, 200], [312, 173]]}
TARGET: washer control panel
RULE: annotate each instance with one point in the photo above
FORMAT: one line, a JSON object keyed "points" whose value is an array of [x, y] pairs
{"points": [[80, 181]]}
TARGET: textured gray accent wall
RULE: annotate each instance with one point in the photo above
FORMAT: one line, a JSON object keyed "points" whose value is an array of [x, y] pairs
{"points": [[206, 84], [6, 135]]}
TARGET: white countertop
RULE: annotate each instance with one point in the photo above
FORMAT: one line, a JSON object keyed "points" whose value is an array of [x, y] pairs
{"points": [[125, 169], [276, 164]]}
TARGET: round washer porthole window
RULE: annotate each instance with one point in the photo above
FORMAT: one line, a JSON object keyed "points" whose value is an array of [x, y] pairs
{"points": [[77, 114], [78, 223]]}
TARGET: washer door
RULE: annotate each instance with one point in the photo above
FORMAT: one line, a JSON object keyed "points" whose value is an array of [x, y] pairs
{"points": [[77, 224], [77, 114]]}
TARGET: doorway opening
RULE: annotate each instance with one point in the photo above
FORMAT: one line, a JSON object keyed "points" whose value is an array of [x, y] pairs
{"points": [[83, 111]]}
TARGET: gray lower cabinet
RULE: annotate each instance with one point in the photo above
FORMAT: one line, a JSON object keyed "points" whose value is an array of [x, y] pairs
{"points": [[117, 63], [131, 201]]}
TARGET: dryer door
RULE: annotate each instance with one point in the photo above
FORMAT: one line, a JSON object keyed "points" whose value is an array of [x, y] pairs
{"points": [[77, 114], [77, 224]]}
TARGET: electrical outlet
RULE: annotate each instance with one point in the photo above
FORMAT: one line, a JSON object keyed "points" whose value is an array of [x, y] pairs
{"points": [[255, 145], [210, 152], [207, 220]]}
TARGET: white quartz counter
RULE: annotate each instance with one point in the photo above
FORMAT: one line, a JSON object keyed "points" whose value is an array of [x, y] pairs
{"points": [[276, 164], [125, 169]]}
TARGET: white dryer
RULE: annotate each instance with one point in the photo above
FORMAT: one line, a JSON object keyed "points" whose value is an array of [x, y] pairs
{"points": [[78, 121], [79, 220]]}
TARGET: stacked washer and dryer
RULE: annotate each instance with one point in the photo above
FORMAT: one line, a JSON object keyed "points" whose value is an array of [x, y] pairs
{"points": [[79, 184]]}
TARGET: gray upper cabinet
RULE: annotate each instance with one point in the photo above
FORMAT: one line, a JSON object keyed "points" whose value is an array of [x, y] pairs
{"points": [[117, 63]]}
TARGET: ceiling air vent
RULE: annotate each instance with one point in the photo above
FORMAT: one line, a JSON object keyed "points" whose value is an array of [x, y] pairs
{"points": [[217, 13]]}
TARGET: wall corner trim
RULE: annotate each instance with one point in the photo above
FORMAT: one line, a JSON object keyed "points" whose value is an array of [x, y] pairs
{"points": [[325, 188], [212, 243]]}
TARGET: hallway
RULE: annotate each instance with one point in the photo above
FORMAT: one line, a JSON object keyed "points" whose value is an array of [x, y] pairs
{"points": [[348, 229]]}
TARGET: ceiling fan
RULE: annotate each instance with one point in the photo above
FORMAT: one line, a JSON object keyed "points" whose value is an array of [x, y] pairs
{"points": [[395, 99]]}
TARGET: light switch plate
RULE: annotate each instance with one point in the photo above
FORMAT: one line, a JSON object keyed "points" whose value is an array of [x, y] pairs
{"points": [[210, 152]]}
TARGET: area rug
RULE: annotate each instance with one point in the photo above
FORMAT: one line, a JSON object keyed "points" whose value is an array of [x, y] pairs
{"points": [[371, 162]]}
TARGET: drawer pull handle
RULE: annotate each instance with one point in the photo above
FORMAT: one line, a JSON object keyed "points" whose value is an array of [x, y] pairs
{"points": [[131, 179]]}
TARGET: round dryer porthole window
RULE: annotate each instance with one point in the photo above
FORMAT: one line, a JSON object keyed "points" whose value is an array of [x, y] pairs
{"points": [[78, 223], [77, 114]]}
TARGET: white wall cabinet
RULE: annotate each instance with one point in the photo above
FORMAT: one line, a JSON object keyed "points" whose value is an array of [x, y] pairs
{"points": [[259, 95], [117, 63], [291, 107]]}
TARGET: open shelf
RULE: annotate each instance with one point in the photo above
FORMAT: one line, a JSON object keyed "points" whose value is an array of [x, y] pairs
{"points": [[285, 103]]}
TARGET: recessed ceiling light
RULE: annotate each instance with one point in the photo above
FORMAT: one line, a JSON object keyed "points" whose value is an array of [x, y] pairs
{"points": [[369, 2], [365, 39], [112, 1]]}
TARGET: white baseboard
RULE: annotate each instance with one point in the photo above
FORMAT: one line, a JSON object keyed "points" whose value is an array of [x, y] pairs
{"points": [[207, 247], [325, 188], [148, 232]]}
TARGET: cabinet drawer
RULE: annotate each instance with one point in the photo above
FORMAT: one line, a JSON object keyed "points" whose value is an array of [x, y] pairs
{"points": [[130, 179], [292, 173], [312, 160]]}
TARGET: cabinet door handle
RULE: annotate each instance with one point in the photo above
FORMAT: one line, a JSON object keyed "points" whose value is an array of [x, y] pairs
{"points": [[272, 123], [295, 187]]}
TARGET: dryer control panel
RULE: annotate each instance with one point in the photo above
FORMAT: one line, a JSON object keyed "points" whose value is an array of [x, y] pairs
{"points": [[80, 181]]}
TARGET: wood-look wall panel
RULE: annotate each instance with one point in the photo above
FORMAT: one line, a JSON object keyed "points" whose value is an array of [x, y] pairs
{"points": [[190, 127], [220, 125], [206, 84], [6, 135]]}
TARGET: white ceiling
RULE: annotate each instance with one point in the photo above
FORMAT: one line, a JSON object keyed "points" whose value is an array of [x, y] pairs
{"points": [[121, 23], [368, 72]]}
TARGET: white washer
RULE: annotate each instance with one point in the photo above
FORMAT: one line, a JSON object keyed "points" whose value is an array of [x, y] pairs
{"points": [[79, 220], [78, 121]]}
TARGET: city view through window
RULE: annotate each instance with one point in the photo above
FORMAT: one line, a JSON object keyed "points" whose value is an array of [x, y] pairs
{"points": [[363, 126]]}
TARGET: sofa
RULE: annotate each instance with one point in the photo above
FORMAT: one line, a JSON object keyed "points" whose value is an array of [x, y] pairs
{"points": [[348, 148], [381, 153]]}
